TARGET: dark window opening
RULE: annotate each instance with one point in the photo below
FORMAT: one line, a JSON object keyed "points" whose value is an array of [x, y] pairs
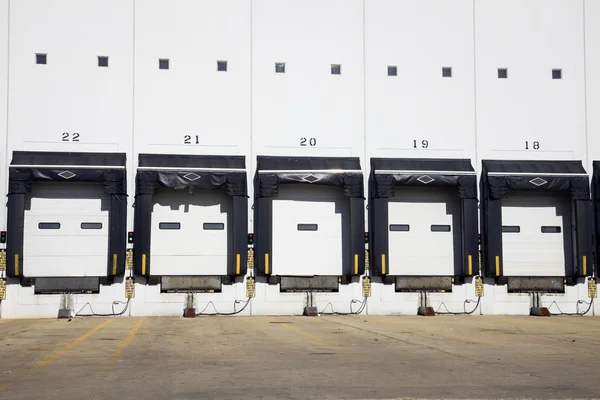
{"points": [[511, 229], [169, 225], [440, 228], [213, 226], [280, 68], [40, 58], [447, 72], [551, 229], [49, 225], [557, 74], [102, 61], [502, 73], [392, 70], [336, 69], [399, 228], [308, 227], [163, 63], [222, 66], [91, 225]]}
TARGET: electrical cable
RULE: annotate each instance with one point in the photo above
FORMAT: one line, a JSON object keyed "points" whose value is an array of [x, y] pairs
{"points": [[560, 312], [363, 304], [465, 312], [94, 314], [216, 313]]}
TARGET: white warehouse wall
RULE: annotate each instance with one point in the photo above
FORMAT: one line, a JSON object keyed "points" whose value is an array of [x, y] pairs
{"points": [[49, 104], [530, 38], [191, 108], [419, 113]]}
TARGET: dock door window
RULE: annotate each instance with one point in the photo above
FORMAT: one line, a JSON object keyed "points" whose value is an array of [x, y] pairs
{"points": [[399, 228], [169, 225], [551, 229], [308, 227], [49, 225]]}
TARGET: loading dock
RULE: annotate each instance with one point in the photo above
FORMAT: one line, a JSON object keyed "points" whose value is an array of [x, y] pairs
{"points": [[536, 222], [423, 221], [309, 220], [66, 219], [191, 222]]}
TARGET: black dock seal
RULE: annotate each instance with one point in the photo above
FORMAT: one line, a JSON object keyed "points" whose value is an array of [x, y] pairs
{"points": [[390, 174], [500, 176], [596, 201], [27, 168], [175, 171], [332, 171]]}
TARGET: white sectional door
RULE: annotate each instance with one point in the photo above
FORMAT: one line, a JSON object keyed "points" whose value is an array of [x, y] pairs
{"points": [[190, 234], [424, 231], [533, 234], [310, 230], [66, 230]]}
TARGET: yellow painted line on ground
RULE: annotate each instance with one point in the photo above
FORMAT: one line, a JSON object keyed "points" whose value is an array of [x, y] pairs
{"points": [[127, 340], [304, 333], [71, 345]]}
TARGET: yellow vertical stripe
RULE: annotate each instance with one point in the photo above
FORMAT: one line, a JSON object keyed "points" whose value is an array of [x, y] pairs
{"points": [[266, 263], [497, 265], [584, 265], [383, 263], [470, 265], [114, 271], [237, 264], [143, 264], [356, 264], [16, 264]]}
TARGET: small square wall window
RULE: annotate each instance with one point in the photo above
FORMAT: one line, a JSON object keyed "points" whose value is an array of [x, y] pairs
{"points": [[280, 68], [222, 66], [557, 74], [102, 61], [40, 58], [163, 63], [392, 70], [447, 72], [336, 69], [502, 73]]}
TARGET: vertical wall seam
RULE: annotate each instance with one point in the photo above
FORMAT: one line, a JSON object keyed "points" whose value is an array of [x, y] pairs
{"points": [[133, 162], [475, 86], [585, 103], [364, 51], [6, 152], [251, 147]]}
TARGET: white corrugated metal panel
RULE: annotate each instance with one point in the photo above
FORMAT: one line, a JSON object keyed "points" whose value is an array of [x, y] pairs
{"points": [[190, 233], [424, 231], [536, 229], [311, 227], [66, 230]]}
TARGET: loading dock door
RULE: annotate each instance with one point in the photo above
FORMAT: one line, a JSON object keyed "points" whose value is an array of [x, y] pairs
{"points": [[311, 226], [66, 230], [535, 229], [424, 232], [190, 232]]}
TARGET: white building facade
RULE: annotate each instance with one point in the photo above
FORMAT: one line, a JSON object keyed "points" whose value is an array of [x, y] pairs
{"points": [[309, 152]]}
